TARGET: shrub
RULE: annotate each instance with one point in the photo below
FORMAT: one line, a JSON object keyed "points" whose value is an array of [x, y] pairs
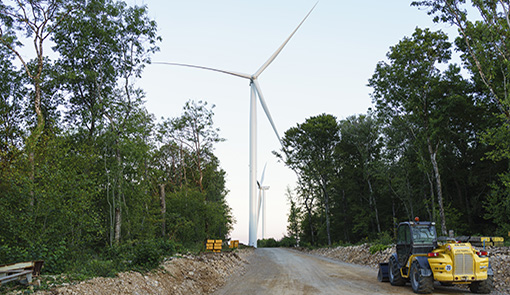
{"points": [[267, 243], [101, 268], [378, 247], [146, 255], [288, 242]]}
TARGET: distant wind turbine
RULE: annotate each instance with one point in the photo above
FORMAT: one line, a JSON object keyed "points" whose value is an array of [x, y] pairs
{"points": [[262, 202], [255, 91]]}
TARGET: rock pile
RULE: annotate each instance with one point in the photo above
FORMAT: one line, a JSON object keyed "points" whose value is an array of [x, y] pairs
{"points": [[189, 274], [500, 262], [357, 254], [499, 258]]}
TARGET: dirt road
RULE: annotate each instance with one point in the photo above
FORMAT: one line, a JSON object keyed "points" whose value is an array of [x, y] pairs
{"points": [[283, 271]]}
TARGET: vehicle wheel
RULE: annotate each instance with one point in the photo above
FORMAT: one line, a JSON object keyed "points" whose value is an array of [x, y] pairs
{"points": [[396, 278], [483, 287], [380, 276], [421, 284]]}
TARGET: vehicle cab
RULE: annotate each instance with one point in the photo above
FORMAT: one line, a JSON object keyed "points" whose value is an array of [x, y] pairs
{"points": [[415, 238]]}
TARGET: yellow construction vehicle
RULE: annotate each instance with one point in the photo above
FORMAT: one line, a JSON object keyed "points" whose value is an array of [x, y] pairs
{"points": [[422, 258]]}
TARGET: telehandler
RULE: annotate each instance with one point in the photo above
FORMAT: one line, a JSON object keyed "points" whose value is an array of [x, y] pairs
{"points": [[422, 258]]}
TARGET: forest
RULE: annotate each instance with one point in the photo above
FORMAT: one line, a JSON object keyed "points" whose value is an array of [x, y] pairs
{"points": [[85, 171], [91, 181], [435, 144]]}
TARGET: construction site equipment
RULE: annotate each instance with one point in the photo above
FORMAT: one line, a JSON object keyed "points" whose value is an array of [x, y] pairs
{"points": [[234, 244], [422, 258], [214, 245], [22, 271], [482, 241], [498, 241]]}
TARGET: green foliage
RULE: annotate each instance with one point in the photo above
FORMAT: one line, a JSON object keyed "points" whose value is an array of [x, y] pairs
{"points": [[384, 238], [100, 268], [56, 258], [267, 243], [82, 190], [378, 247], [288, 242]]}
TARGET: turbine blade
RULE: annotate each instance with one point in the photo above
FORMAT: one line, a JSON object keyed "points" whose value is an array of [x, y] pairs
{"points": [[266, 110], [275, 54], [262, 178], [246, 76]]}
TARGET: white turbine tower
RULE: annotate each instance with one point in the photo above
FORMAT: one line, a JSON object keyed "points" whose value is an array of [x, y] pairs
{"points": [[255, 91], [262, 203]]}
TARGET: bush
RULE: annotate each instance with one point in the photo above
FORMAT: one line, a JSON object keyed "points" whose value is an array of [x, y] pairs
{"points": [[267, 243], [378, 247], [288, 242], [101, 268], [384, 238], [55, 256]]}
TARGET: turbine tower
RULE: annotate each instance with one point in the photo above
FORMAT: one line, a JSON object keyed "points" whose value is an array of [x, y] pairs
{"points": [[255, 91], [263, 189], [262, 202]]}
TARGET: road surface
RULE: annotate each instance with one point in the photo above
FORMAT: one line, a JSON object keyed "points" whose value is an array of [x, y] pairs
{"points": [[285, 271]]}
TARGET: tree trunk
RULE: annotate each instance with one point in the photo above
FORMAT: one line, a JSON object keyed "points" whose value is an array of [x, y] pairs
{"points": [[433, 154], [309, 212], [118, 208], [326, 207], [118, 224], [375, 205], [346, 223], [162, 202], [432, 196]]}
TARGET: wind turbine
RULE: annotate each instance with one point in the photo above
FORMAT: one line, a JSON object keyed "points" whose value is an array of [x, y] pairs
{"points": [[254, 92], [262, 202]]}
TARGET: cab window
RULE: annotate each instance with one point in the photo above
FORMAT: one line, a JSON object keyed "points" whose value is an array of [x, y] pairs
{"points": [[424, 234], [404, 235]]}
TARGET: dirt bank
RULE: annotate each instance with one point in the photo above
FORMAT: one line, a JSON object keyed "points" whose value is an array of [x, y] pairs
{"points": [[189, 274]]}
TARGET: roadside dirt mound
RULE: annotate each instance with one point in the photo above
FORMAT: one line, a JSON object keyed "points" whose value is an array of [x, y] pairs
{"points": [[356, 254], [201, 274], [499, 258]]}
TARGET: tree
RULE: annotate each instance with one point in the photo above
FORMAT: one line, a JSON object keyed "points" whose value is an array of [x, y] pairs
{"points": [[194, 131], [104, 48], [294, 217], [308, 149], [360, 141], [187, 164], [38, 20], [412, 88], [483, 42], [11, 105]]}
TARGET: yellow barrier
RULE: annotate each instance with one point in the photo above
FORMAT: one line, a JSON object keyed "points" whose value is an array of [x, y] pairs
{"points": [[214, 245], [234, 244]]}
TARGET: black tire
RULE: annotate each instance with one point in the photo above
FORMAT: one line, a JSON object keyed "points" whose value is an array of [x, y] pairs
{"points": [[396, 278], [421, 284], [483, 287], [380, 276]]}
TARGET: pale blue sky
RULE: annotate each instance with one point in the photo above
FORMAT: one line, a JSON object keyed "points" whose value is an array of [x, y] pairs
{"points": [[323, 69]]}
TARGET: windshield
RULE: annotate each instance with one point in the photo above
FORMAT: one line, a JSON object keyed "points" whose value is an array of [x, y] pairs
{"points": [[424, 234]]}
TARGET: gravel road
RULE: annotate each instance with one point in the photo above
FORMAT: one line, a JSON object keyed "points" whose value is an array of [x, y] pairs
{"points": [[284, 271]]}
